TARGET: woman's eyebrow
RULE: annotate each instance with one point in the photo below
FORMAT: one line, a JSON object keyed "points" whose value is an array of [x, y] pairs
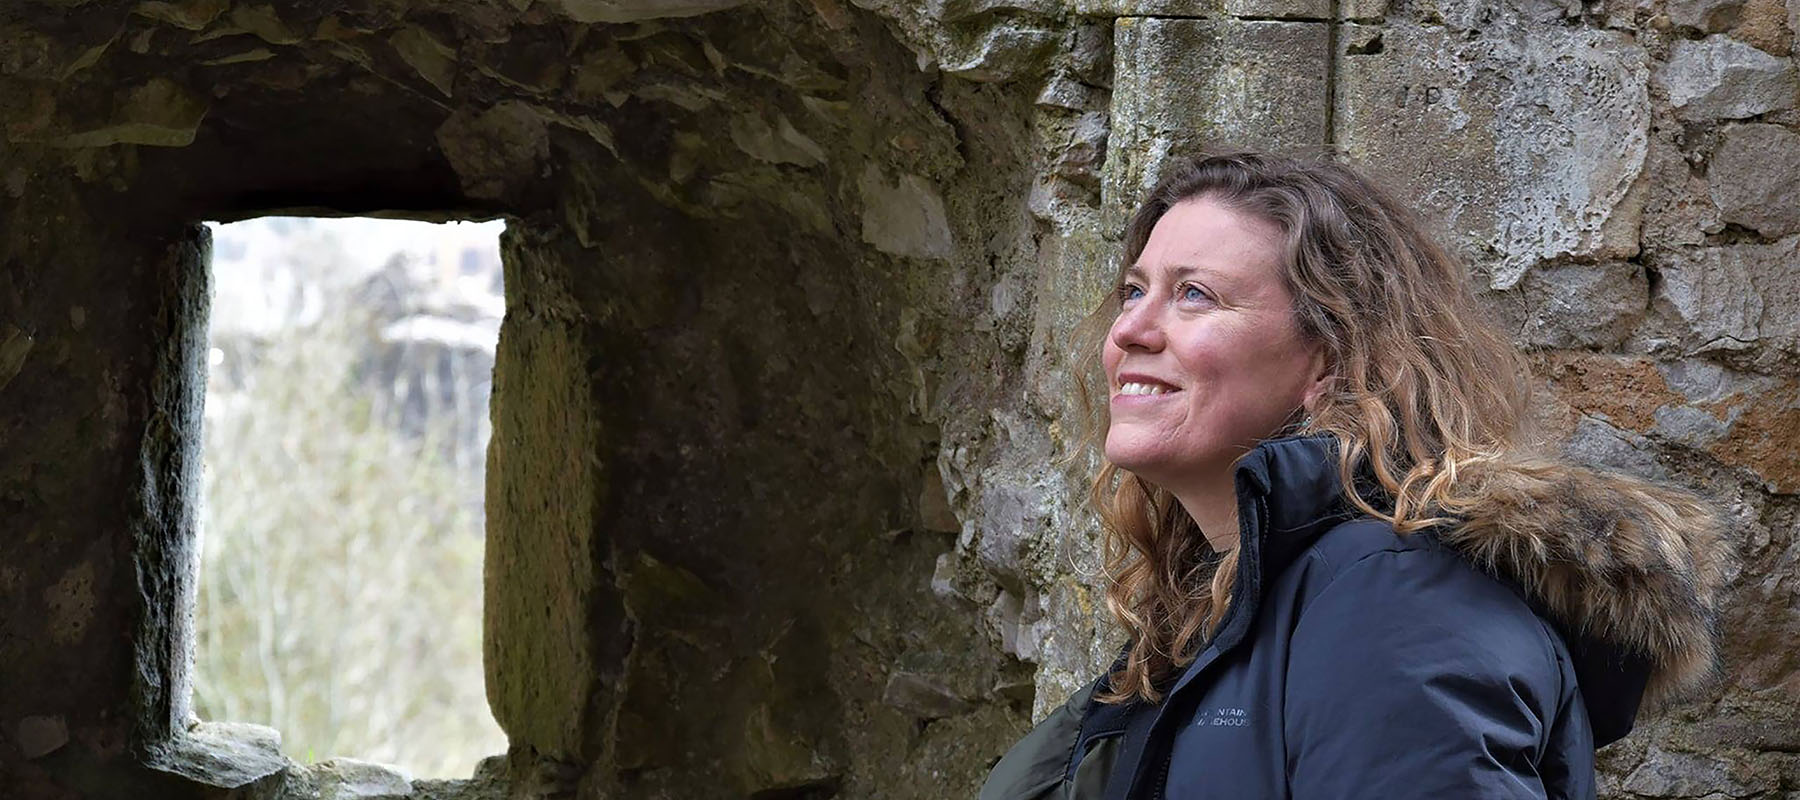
{"points": [[1179, 270]]}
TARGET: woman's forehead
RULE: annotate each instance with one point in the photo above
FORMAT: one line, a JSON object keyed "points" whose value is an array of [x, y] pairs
{"points": [[1198, 229]]}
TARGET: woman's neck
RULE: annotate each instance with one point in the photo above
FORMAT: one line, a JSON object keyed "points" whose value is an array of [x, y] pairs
{"points": [[1213, 506]]}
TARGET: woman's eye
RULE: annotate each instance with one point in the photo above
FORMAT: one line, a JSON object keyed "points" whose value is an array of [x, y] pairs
{"points": [[1129, 292], [1194, 293]]}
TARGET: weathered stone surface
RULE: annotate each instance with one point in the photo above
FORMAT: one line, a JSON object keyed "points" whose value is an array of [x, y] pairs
{"points": [[496, 148], [353, 779], [551, 654], [1575, 305], [1004, 52], [1720, 78], [1752, 178], [1677, 208], [1253, 9], [1765, 24], [225, 755], [1185, 85], [905, 217], [1620, 405], [1710, 16], [434, 59], [158, 112], [777, 142], [1513, 172], [1735, 299], [1674, 774], [190, 15]]}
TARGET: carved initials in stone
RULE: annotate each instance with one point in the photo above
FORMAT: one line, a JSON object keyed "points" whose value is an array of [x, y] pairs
{"points": [[1425, 95]]}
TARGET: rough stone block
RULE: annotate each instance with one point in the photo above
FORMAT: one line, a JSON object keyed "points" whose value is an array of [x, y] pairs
{"points": [[1754, 178], [905, 218], [1735, 299], [1003, 52], [1512, 172], [1677, 209], [1674, 774], [549, 609], [923, 696], [227, 755], [353, 779], [1712, 16], [1148, 8], [494, 150], [1722, 78], [157, 113], [1185, 85], [1362, 10], [1576, 305]]}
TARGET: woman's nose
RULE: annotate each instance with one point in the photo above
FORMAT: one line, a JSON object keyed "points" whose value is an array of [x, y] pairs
{"points": [[1138, 328]]}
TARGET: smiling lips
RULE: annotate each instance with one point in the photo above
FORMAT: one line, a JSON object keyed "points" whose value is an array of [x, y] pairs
{"points": [[1140, 385], [1142, 388]]}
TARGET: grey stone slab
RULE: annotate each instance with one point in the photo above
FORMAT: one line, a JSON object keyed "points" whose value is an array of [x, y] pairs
{"points": [[1721, 78], [1736, 299], [1188, 85], [1754, 178], [1518, 150]]}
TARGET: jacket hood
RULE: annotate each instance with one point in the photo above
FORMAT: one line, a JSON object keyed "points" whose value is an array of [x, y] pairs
{"points": [[1630, 572], [1624, 563]]}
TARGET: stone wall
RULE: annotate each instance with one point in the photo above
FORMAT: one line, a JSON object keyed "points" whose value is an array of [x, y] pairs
{"points": [[779, 497]]}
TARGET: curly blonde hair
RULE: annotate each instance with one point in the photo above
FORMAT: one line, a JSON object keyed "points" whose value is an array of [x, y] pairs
{"points": [[1425, 391]]}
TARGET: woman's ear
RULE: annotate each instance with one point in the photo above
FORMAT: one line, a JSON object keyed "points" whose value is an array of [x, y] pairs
{"points": [[1322, 374]]}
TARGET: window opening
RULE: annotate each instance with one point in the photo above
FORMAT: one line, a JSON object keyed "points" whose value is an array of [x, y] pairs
{"points": [[342, 517]]}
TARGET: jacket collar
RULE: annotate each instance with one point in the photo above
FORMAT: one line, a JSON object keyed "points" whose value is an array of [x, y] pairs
{"points": [[1287, 496], [1293, 484]]}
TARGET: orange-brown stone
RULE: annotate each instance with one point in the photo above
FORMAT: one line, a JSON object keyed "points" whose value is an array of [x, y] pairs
{"points": [[1766, 436], [1628, 390]]}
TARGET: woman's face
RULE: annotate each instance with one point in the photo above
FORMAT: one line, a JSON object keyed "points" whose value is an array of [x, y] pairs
{"points": [[1205, 358]]}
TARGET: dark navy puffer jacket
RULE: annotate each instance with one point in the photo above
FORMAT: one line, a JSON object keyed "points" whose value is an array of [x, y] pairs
{"points": [[1484, 660]]}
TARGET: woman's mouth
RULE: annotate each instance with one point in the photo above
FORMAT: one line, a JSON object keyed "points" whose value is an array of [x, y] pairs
{"points": [[1136, 388]]}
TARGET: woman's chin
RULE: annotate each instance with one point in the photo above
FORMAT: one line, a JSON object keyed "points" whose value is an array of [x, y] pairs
{"points": [[1146, 466]]}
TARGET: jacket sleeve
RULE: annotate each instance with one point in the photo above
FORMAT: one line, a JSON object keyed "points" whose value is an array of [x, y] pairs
{"points": [[1411, 676], [1035, 766]]}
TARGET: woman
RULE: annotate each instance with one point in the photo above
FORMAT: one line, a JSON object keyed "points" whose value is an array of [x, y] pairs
{"points": [[1342, 571]]}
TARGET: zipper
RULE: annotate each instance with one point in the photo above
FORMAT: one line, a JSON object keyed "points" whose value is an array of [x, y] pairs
{"points": [[1162, 781], [1249, 526]]}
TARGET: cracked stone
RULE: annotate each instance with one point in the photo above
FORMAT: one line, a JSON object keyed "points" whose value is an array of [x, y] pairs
{"points": [[1737, 297], [1722, 78], [1752, 179]]}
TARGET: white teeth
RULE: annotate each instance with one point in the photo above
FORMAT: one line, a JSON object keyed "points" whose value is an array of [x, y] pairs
{"points": [[1141, 388]]}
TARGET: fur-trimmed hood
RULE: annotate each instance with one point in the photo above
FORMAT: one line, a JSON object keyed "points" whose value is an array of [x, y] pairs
{"points": [[1630, 572], [1627, 562]]}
